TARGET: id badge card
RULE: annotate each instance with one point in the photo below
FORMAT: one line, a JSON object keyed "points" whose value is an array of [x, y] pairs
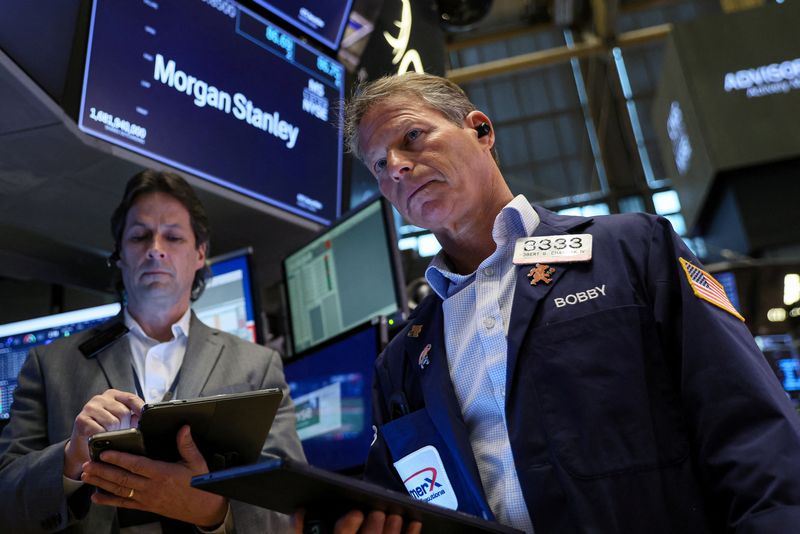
{"points": [[548, 249], [429, 469]]}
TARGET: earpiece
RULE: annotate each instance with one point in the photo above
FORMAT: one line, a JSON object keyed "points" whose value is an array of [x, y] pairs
{"points": [[483, 129], [113, 258]]}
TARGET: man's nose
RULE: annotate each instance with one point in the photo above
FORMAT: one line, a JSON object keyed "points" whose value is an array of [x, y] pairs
{"points": [[399, 164], [156, 248]]}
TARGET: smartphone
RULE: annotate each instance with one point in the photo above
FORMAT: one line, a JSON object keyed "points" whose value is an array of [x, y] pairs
{"points": [[129, 440]]}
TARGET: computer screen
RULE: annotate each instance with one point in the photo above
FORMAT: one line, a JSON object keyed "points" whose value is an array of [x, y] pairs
{"points": [[323, 20], [229, 302], [347, 275], [16, 339], [781, 353], [212, 88], [332, 392]]}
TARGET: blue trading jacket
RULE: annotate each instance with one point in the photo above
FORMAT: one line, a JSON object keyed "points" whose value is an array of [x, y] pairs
{"points": [[633, 407]]}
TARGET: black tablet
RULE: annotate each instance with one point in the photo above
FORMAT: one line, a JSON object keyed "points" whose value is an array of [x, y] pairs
{"points": [[229, 430], [284, 486]]}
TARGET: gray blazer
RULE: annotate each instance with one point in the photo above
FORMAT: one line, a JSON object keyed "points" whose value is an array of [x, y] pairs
{"points": [[57, 380]]}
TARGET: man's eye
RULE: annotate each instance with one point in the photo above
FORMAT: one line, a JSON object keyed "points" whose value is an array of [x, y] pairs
{"points": [[174, 238], [412, 135], [137, 238], [379, 166]]}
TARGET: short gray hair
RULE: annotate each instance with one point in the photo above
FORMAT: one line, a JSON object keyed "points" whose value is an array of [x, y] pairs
{"points": [[439, 93]]}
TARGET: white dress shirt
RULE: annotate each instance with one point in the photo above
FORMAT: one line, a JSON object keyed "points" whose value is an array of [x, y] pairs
{"points": [[477, 309], [156, 363]]}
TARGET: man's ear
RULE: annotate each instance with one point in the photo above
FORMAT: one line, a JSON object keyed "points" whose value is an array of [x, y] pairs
{"points": [[482, 124], [202, 250]]}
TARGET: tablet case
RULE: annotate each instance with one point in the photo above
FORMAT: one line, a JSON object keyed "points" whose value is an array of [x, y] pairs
{"points": [[284, 486], [229, 430]]}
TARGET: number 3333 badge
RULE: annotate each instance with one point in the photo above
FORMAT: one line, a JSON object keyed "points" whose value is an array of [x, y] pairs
{"points": [[553, 249]]}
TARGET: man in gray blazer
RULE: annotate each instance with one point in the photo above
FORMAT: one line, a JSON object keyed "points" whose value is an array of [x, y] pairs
{"points": [[99, 380]]}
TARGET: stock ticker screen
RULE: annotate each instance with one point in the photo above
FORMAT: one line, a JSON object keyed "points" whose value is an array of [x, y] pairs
{"points": [[209, 87], [17, 339]]}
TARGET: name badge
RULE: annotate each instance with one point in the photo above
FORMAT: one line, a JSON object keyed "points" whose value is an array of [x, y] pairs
{"points": [[553, 249], [423, 473]]}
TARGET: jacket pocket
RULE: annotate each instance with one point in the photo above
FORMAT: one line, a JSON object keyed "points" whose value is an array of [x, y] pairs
{"points": [[608, 402]]}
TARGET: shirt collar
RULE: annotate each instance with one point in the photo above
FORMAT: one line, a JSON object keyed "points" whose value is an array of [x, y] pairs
{"points": [[516, 219], [179, 329]]}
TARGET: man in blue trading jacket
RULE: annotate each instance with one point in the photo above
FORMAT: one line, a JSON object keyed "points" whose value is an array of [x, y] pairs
{"points": [[99, 379], [568, 374]]}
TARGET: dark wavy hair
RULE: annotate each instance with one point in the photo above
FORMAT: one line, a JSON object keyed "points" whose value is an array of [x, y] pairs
{"points": [[150, 181]]}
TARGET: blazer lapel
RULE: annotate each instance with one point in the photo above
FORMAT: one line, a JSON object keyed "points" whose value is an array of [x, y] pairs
{"points": [[203, 350], [528, 298], [437, 387], [115, 362]]}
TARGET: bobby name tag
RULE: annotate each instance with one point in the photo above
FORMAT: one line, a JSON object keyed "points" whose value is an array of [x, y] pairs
{"points": [[553, 249], [423, 474]]}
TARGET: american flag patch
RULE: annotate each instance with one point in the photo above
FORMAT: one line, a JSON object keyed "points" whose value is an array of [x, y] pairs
{"points": [[707, 288]]}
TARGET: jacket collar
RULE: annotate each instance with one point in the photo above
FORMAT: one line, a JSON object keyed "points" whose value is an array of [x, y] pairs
{"points": [[203, 350], [202, 353]]}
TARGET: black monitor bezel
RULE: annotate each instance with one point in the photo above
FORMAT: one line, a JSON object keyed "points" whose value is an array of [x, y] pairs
{"points": [[380, 327], [255, 296], [398, 279]]}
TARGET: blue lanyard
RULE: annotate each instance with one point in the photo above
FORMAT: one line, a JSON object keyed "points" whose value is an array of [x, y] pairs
{"points": [[167, 396]]}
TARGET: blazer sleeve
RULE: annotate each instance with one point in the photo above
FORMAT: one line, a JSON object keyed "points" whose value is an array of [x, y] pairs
{"points": [[281, 441], [31, 468], [746, 433]]}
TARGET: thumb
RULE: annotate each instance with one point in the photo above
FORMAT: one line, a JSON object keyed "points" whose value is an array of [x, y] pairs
{"points": [[189, 452]]}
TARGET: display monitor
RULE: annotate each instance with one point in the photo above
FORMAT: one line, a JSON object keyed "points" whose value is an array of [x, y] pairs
{"points": [[347, 275], [212, 88], [230, 302], [782, 356], [16, 339], [322, 20], [332, 391]]}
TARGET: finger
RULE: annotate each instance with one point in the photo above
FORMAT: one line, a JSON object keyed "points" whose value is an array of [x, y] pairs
{"points": [[117, 461], [95, 411], [131, 401], [297, 521], [123, 405], [113, 490], [375, 522], [85, 426], [107, 411], [349, 523], [113, 479], [393, 524], [415, 527], [110, 499], [189, 452]]}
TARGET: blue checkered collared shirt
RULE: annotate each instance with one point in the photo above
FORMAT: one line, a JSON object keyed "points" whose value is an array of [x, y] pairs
{"points": [[477, 308]]}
